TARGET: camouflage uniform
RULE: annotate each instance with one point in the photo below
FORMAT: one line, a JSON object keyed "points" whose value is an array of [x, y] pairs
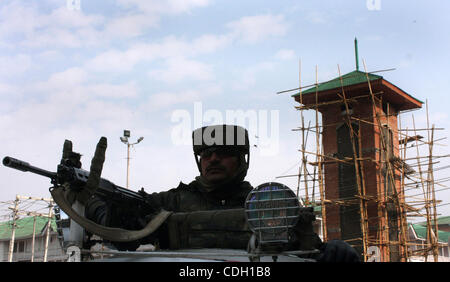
{"points": [[204, 215], [202, 218]]}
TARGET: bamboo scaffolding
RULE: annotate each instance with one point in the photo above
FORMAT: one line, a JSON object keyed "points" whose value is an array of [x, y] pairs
{"points": [[427, 210], [350, 76], [320, 160], [359, 177], [402, 194], [395, 174], [304, 160], [318, 151], [430, 187], [391, 176], [353, 99], [23, 208]]}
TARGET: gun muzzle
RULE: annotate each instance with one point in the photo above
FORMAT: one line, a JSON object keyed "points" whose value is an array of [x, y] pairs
{"points": [[24, 166], [15, 163]]}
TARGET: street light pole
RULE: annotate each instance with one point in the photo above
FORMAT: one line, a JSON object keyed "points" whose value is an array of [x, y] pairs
{"points": [[124, 139], [128, 164]]}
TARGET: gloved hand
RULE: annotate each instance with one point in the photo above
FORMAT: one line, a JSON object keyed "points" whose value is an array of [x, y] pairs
{"points": [[72, 159], [306, 238], [337, 251]]}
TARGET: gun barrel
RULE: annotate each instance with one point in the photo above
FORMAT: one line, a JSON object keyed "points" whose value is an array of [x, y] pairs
{"points": [[24, 166]]}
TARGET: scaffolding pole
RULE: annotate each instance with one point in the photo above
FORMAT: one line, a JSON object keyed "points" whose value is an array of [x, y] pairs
{"points": [[13, 229], [394, 173]]}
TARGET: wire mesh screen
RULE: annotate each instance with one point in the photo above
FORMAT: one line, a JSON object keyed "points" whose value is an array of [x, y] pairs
{"points": [[271, 209]]}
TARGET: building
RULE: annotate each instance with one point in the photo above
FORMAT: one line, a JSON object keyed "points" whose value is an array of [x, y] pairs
{"points": [[418, 242], [23, 242], [360, 168]]}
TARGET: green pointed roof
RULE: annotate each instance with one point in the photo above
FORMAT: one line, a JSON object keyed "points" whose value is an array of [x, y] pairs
{"points": [[24, 227], [351, 78], [355, 82]]}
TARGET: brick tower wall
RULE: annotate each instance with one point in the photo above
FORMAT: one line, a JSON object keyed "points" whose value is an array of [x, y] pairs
{"points": [[369, 133]]}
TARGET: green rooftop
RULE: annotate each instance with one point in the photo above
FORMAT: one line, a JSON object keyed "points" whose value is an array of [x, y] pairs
{"points": [[24, 227], [421, 232], [421, 228], [351, 78], [444, 220]]}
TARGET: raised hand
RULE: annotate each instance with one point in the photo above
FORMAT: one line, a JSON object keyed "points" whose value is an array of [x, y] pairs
{"points": [[82, 194]]}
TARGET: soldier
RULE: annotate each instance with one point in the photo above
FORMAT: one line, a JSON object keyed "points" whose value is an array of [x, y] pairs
{"points": [[208, 212]]}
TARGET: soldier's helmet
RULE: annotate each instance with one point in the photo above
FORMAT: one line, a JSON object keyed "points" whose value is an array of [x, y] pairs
{"points": [[232, 137]]}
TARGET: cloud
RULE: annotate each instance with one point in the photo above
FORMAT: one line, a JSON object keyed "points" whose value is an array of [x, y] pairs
{"points": [[165, 99], [12, 18], [124, 60], [115, 60], [210, 42], [316, 17], [81, 109], [130, 25], [64, 17], [25, 25], [168, 99], [156, 7], [127, 90], [74, 76], [255, 28], [75, 86], [247, 77], [63, 27], [7, 89], [246, 29], [179, 69], [9, 96], [142, 15], [14, 65], [285, 54], [50, 55]]}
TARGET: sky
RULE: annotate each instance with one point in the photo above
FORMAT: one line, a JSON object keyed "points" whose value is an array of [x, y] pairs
{"points": [[79, 70]]}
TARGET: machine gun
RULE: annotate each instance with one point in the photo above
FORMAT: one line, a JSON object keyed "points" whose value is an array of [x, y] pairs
{"points": [[121, 199], [78, 177], [271, 210]]}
